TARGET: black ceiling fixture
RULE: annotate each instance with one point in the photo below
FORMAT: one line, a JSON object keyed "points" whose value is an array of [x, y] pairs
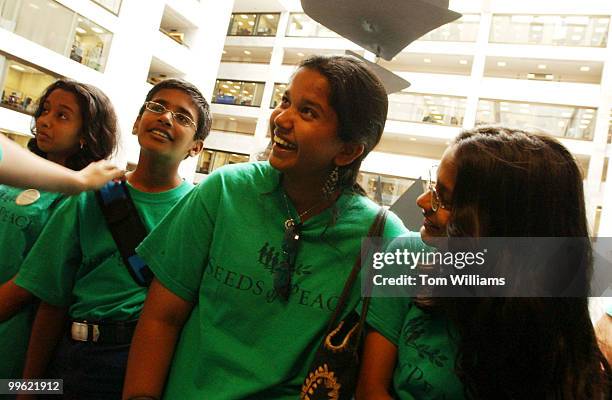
{"points": [[383, 27]]}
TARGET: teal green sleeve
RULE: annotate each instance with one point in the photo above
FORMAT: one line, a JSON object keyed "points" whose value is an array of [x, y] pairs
{"points": [[177, 249], [49, 270], [387, 314], [394, 227]]}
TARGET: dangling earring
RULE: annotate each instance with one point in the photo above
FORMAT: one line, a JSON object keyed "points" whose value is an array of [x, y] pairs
{"points": [[82, 145], [331, 183]]}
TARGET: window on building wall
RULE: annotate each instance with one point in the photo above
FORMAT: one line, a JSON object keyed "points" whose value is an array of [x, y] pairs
{"points": [[210, 160], [548, 70], [111, 5], [252, 55], [610, 128], [57, 28], [90, 45], [238, 92], [261, 24], [464, 29], [177, 27], [383, 189], [22, 84], [232, 124], [301, 25], [554, 30], [426, 108], [159, 71], [558, 120], [277, 96]]}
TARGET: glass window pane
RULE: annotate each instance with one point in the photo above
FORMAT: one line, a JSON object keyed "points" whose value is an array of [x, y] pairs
{"points": [[238, 92], [91, 43], [463, 30], [555, 30], [234, 125], [277, 95], [267, 24], [391, 187], [558, 120], [242, 25], [213, 159], [111, 5], [301, 25], [68, 34], [22, 85], [33, 24], [428, 108]]}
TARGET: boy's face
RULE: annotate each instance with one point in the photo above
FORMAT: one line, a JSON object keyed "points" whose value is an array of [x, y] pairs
{"points": [[160, 135]]}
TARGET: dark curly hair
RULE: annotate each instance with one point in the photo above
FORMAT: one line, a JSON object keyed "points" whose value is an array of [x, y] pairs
{"points": [[99, 132]]}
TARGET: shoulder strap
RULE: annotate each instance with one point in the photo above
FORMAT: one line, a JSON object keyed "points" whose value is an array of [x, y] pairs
{"points": [[376, 230], [125, 227]]}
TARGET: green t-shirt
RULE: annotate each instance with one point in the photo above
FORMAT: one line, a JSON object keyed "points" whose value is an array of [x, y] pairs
{"points": [[240, 340], [76, 263], [20, 225], [425, 350]]}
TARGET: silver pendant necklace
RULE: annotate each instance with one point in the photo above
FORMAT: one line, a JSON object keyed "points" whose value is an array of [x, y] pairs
{"points": [[290, 222]]}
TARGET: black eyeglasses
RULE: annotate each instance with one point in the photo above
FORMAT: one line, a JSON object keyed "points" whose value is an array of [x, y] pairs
{"points": [[181, 118], [284, 270]]}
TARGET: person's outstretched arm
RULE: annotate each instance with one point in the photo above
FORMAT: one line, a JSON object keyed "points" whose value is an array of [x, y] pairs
{"points": [[378, 363], [21, 168], [154, 341]]}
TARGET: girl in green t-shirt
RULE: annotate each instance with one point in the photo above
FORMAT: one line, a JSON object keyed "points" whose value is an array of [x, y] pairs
{"points": [[250, 265], [74, 125], [501, 183]]}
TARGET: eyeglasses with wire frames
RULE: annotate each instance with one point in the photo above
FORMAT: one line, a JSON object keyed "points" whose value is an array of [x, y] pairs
{"points": [[435, 202], [284, 270], [182, 119]]}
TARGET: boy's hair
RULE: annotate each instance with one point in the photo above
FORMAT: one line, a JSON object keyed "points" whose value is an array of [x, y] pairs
{"points": [[204, 116], [99, 130]]}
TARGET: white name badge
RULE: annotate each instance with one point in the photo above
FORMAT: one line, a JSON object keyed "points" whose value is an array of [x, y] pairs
{"points": [[27, 197]]}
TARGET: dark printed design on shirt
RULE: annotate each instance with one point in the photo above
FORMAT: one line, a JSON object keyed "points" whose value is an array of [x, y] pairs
{"points": [[412, 331], [270, 258]]}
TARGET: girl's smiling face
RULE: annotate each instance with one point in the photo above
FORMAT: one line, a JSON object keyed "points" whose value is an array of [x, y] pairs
{"points": [[305, 127]]}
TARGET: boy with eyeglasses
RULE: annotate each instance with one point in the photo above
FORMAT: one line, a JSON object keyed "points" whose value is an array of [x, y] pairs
{"points": [[88, 293]]}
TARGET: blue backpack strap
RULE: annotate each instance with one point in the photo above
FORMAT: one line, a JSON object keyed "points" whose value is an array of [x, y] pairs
{"points": [[126, 228]]}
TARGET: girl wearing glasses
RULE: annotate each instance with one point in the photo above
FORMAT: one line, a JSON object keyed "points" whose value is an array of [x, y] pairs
{"points": [[492, 182], [74, 125], [90, 301], [241, 303]]}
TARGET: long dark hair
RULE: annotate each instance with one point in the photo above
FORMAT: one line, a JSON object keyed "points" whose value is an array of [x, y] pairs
{"points": [[360, 102], [513, 183], [99, 131]]}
